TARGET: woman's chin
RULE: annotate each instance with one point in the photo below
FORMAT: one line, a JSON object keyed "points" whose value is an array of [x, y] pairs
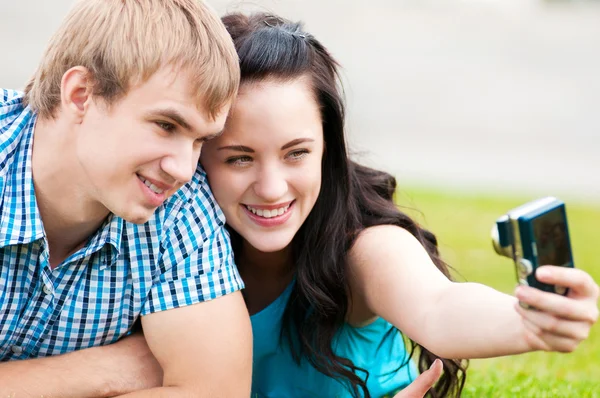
{"points": [[269, 246]]}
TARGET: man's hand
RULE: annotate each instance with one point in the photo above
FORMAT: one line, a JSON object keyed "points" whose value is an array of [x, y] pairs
{"points": [[559, 323], [139, 369], [422, 384], [105, 371]]}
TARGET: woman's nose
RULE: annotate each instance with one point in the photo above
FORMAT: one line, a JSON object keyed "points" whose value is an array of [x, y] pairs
{"points": [[271, 184]]}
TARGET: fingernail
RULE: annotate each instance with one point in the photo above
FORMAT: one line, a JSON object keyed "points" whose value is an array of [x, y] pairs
{"points": [[437, 362]]}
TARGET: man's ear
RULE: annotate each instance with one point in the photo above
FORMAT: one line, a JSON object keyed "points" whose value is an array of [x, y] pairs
{"points": [[76, 92]]}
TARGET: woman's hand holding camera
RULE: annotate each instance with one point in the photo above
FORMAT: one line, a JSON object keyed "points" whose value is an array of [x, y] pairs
{"points": [[559, 323]]}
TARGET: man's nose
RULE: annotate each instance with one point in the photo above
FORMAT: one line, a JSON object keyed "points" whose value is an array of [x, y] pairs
{"points": [[181, 162]]}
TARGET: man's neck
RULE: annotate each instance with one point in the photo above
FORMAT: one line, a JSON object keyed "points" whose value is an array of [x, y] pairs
{"points": [[68, 215]]}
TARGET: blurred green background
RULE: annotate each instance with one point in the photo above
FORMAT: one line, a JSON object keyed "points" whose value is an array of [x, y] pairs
{"points": [[462, 222]]}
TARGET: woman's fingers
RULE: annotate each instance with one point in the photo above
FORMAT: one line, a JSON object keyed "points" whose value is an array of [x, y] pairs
{"points": [[540, 340], [560, 306], [580, 283], [419, 387], [548, 323]]}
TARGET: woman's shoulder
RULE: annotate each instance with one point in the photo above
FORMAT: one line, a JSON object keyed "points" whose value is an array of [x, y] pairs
{"points": [[378, 253], [378, 241]]}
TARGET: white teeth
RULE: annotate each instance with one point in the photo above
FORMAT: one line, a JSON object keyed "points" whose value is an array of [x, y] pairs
{"points": [[152, 187], [268, 213]]}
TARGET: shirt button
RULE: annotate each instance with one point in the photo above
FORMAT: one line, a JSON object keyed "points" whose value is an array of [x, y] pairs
{"points": [[46, 290], [16, 349]]}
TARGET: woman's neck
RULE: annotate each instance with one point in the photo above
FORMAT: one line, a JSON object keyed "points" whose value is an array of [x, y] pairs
{"points": [[269, 265], [266, 275]]}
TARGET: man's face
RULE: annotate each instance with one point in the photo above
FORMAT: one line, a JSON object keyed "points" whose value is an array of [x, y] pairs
{"points": [[144, 147]]}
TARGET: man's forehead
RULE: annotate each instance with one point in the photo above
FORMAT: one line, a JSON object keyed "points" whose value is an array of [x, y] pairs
{"points": [[186, 83]]}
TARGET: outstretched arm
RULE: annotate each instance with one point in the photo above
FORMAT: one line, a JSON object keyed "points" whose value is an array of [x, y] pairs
{"points": [[393, 277], [105, 371]]}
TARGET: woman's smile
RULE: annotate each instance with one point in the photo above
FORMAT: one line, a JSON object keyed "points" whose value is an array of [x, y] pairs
{"points": [[269, 216]]}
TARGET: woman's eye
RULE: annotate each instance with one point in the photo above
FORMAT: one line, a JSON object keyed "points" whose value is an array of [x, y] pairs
{"points": [[297, 155], [239, 160], [169, 127]]}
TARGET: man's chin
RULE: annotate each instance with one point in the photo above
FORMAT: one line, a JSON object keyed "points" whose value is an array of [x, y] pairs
{"points": [[138, 217]]}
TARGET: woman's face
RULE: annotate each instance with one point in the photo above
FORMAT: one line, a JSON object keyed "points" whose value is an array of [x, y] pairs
{"points": [[265, 170]]}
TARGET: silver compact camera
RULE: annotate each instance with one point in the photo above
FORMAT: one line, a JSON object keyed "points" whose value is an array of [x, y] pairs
{"points": [[533, 235]]}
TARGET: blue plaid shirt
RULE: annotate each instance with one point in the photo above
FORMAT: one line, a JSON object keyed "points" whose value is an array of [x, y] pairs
{"points": [[181, 256]]}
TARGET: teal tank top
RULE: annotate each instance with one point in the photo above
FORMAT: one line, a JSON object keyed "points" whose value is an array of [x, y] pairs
{"points": [[377, 347]]}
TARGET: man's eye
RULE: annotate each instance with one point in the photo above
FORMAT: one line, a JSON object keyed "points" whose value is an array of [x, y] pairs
{"points": [[166, 126]]}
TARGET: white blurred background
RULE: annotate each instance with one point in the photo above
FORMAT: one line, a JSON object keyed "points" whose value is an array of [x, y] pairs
{"points": [[485, 95]]}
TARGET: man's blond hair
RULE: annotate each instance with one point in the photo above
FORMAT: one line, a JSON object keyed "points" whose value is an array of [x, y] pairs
{"points": [[123, 42]]}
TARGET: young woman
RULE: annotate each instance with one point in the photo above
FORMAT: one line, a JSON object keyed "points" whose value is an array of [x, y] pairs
{"points": [[333, 270]]}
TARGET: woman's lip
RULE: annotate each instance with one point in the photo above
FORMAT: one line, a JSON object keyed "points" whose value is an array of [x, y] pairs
{"points": [[269, 207], [272, 221]]}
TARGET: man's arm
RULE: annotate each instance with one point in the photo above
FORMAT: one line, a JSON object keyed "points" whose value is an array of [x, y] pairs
{"points": [[105, 371], [205, 349]]}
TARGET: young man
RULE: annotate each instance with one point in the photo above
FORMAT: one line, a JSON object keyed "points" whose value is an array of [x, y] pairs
{"points": [[105, 214]]}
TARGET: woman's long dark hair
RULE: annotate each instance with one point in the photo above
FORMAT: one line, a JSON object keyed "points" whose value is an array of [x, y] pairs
{"points": [[352, 198]]}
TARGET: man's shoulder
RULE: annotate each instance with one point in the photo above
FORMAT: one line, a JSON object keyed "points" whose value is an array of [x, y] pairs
{"points": [[11, 105], [191, 210], [193, 204], [14, 121], [12, 108], [7, 95]]}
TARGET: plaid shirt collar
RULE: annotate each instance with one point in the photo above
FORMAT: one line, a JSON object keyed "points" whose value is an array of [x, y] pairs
{"points": [[20, 219]]}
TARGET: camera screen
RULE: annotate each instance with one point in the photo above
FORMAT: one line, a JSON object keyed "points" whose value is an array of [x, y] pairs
{"points": [[552, 238]]}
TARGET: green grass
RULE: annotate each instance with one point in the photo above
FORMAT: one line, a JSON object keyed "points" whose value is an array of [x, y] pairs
{"points": [[462, 223]]}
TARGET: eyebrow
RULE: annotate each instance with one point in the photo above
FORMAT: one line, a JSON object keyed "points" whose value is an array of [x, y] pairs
{"points": [[177, 117], [212, 136], [172, 114], [243, 148], [238, 148], [296, 142]]}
